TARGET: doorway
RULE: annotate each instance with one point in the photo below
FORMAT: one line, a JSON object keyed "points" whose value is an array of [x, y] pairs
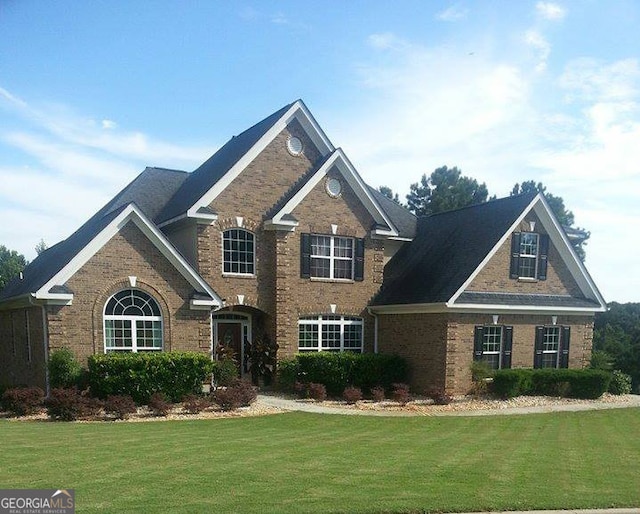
{"points": [[234, 331]]}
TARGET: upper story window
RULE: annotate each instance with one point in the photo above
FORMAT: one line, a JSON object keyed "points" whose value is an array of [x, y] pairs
{"points": [[238, 249], [552, 347], [331, 257], [529, 255], [492, 344], [332, 333], [132, 322]]}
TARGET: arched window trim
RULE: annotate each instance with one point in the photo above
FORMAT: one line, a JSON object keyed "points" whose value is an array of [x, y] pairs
{"points": [[129, 332], [238, 266]]}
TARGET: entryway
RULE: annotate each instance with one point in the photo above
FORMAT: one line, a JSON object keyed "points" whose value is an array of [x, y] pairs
{"points": [[233, 330]]}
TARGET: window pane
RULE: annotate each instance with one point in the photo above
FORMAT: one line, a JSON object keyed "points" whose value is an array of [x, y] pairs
{"points": [[308, 337], [529, 244], [343, 269], [343, 247], [331, 336], [321, 246], [320, 267], [527, 267], [353, 337]]}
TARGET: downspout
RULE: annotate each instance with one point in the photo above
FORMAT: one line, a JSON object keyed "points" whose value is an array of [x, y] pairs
{"points": [[45, 343], [375, 330]]}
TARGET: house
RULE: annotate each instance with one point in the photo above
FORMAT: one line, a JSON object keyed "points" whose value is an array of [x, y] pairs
{"points": [[277, 234]]}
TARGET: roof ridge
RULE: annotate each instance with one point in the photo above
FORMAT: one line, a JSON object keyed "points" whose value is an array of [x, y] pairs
{"points": [[481, 204]]}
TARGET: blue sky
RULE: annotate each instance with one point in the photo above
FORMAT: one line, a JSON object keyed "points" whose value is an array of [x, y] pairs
{"points": [[92, 92]]}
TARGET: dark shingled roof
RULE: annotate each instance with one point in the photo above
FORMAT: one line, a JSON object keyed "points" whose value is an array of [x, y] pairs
{"points": [[214, 168], [149, 191], [404, 220], [538, 300], [447, 248]]}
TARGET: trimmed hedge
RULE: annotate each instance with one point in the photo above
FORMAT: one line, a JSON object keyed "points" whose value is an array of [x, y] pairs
{"points": [[140, 375], [572, 383], [340, 370]]}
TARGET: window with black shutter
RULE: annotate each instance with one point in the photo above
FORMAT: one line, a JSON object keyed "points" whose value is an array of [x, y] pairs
{"points": [[493, 345], [529, 251], [331, 257], [551, 348]]}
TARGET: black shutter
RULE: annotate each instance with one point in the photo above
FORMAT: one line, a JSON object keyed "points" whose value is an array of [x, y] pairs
{"points": [[358, 268], [305, 255], [543, 250], [515, 255], [565, 338], [478, 340], [537, 357], [507, 343]]}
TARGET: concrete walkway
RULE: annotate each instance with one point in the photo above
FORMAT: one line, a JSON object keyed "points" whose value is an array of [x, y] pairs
{"points": [[310, 406]]}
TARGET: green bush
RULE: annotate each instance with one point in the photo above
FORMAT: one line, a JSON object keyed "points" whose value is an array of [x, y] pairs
{"points": [[509, 383], [224, 372], [620, 383], [65, 370], [601, 360], [340, 370], [574, 383], [175, 374]]}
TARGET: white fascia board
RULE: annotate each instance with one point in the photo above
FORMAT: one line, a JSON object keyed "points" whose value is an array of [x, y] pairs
{"points": [[289, 226], [340, 161], [203, 305], [129, 213], [297, 111], [409, 308], [54, 298], [523, 309]]}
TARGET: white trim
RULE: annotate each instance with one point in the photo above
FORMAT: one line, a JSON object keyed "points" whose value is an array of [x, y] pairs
{"points": [[319, 321], [202, 305], [253, 260], [561, 243], [346, 169], [53, 298], [129, 213], [472, 308], [297, 111]]}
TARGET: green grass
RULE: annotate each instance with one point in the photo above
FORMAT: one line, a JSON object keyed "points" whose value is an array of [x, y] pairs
{"points": [[313, 463]]}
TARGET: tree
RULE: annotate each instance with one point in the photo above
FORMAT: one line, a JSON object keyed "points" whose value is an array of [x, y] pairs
{"points": [[556, 204], [41, 247], [11, 264], [446, 189], [388, 192]]}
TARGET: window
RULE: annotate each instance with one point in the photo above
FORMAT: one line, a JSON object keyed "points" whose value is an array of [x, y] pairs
{"points": [[552, 347], [529, 255], [492, 344], [132, 322], [238, 251], [330, 334], [332, 257]]}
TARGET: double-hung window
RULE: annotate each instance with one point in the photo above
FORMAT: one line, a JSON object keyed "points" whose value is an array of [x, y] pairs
{"points": [[330, 334], [492, 344], [238, 251], [132, 322], [331, 257], [552, 347], [529, 255]]}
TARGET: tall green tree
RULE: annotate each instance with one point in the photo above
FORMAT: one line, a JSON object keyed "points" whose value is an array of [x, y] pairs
{"points": [[556, 203], [11, 264], [41, 247], [444, 190]]}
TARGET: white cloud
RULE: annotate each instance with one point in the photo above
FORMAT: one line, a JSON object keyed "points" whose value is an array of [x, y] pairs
{"points": [[550, 11], [536, 40], [453, 13], [108, 124]]}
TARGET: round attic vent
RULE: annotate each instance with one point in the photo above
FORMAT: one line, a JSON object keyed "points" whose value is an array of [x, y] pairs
{"points": [[294, 145], [333, 187]]}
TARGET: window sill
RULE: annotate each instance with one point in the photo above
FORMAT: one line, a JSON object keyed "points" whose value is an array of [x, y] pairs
{"points": [[239, 275], [527, 279], [333, 280]]}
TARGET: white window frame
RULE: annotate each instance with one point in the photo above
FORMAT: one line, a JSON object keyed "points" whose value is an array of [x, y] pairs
{"points": [[524, 257], [487, 331], [332, 257], [132, 320], [545, 341], [333, 320], [231, 262]]}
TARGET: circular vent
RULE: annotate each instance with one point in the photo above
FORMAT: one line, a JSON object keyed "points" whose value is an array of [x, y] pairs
{"points": [[294, 145]]}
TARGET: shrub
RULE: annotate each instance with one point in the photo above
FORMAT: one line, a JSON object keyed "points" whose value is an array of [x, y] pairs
{"points": [[224, 372], [262, 358], [601, 360], [480, 370], [175, 374], [318, 392], [65, 370], [440, 397], [194, 404], [589, 383], [339, 370], [68, 404], [377, 393], [302, 388], [22, 401], [400, 393], [352, 394], [620, 383], [239, 394], [159, 405], [288, 373], [120, 406], [509, 383]]}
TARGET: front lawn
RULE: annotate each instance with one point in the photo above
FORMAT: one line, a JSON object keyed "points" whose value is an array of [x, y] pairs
{"points": [[300, 462]]}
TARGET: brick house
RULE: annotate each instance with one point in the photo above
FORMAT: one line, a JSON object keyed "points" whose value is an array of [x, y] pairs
{"points": [[277, 234]]}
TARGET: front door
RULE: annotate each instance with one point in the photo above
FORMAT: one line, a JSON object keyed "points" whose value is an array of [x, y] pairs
{"points": [[230, 334]]}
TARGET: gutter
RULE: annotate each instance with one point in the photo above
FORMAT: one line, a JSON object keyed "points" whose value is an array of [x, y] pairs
{"points": [[375, 329]]}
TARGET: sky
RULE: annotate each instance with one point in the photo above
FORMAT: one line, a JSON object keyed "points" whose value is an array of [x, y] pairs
{"points": [[93, 92]]}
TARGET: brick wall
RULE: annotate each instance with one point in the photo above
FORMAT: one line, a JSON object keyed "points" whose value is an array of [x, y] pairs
{"points": [[79, 326]]}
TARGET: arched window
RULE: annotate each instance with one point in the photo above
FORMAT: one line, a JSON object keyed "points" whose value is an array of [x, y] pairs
{"points": [[238, 251], [132, 322]]}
